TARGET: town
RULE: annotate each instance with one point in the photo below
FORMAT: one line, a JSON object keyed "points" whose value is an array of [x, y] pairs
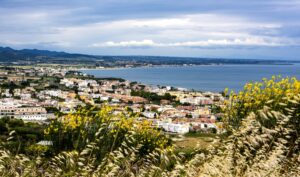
{"points": [[42, 94]]}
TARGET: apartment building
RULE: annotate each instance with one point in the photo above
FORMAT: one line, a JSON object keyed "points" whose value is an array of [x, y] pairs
{"points": [[30, 111]]}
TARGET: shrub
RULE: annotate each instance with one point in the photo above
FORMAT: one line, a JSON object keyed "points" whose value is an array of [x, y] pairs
{"points": [[16, 123], [75, 131], [273, 92]]}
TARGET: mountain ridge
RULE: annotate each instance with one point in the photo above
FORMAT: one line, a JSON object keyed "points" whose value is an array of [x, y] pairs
{"points": [[23, 56], [7, 53]]}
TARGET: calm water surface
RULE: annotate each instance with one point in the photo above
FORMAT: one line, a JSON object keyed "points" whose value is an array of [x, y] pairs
{"points": [[204, 78]]}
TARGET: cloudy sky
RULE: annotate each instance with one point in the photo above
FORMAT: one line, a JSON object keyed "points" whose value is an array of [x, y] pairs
{"points": [[268, 29]]}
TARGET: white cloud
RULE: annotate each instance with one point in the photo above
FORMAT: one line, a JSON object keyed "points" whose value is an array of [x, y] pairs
{"points": [[185, 31], [36, 43], [203, 43], [197, 30], [143, 43]]}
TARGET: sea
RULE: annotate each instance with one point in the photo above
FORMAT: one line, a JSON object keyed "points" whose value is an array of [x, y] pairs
{"points": [[201, 77]]}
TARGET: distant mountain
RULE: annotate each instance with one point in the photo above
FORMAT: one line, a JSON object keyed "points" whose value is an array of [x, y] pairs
{"points": [[33, 56], [8, 54]]}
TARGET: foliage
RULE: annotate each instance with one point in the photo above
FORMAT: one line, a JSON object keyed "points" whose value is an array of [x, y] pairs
{"points": [[264, 121], [25, 134], [75, 131], [94, 143], [258, 149], [200, 134], [255, 95], [52, 110], [153, 96], [37, 150], [215, 109]]}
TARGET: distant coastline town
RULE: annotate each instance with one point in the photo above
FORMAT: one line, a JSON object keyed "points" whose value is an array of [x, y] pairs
{"points": [[42, 94], [34, 57], [40, 86]]}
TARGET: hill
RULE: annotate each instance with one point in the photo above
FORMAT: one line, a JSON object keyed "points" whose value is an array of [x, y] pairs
{"points": [[35, 56], [9, 55]]}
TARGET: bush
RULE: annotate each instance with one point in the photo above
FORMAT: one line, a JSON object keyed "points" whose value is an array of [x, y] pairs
{"points": [[37, 150], [264, 120], [255, 95], [16, 123], [153, 96], [3, 128], [76, 130]]}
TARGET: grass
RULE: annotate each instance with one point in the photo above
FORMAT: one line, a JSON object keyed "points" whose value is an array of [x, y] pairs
{"points": [[189, 145], [200, 134], [193, 142]]}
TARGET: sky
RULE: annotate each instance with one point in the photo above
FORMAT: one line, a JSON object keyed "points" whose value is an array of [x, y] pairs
{"points": [[257, 29]]}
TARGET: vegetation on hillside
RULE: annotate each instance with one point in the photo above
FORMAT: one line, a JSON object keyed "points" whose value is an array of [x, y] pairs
{"points": [[153, 97], [262, 122], [274, 93]]}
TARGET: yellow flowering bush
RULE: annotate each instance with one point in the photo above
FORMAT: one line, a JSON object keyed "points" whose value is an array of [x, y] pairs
{"points": [[37, 150], [76, 130], [274, 92]]}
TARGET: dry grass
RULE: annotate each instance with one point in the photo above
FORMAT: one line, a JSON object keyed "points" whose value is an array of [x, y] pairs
{"points": [[193, 142]]}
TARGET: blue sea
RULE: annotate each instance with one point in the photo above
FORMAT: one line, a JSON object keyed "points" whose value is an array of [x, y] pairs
{"points": [[203, 78]]}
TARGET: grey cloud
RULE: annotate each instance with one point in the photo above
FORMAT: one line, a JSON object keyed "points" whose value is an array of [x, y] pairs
{"points": [[77, 24]]}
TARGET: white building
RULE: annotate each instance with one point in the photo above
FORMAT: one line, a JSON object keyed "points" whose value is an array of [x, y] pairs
{"points": [[174, 128], [149, 114], [33, 117], [196, 100]]}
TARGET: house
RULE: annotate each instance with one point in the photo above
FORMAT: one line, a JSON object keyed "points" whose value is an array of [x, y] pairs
{"points": [[30, 111], [104, 98], [7, 110], [200, 100], [67, 82], [174, 128], [207, 125], [173, 113], [203, 111], [149, 114], [32, 117]]}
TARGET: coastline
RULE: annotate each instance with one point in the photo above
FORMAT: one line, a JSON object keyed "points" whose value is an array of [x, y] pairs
{"points": [[161, 66], [198, 77]]}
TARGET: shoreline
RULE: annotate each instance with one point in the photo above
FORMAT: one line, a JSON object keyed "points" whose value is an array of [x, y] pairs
{"points": [[161, 66], [211, 83], [149, 84]]}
